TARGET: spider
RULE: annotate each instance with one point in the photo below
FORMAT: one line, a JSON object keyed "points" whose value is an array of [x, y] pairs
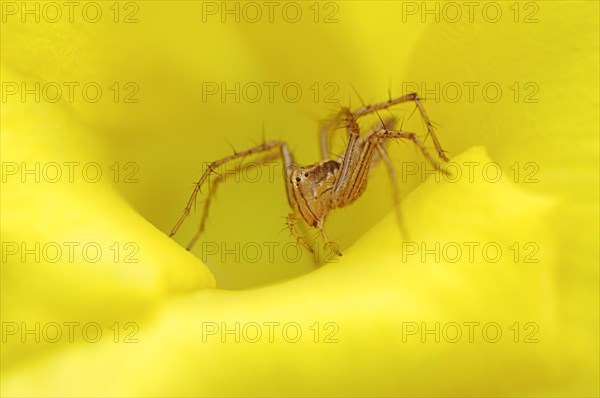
{"points": [[314, 190]]}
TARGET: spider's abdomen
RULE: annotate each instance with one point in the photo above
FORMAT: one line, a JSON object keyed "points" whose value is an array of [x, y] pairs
{"points": [[313, 190]]}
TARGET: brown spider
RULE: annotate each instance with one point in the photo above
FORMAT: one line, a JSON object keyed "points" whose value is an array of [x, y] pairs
{"points": [[314, 190]]}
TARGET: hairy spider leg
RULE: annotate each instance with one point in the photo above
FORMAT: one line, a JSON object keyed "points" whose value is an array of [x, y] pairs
{"points": [[284, 153], [290, 223], [328, 126], [382, 155], [213, 188], [328, 244], [414, 97], [395, 192]]}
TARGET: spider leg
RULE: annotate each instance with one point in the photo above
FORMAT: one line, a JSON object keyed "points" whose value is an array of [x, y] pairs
{"points": [[299, 239], [382, 155], [395, 192], [392, 134], [391, 171], [269, 145], [213, 188], [328, 244], [412, 97]]}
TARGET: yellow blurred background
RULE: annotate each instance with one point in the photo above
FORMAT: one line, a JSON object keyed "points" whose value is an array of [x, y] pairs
{"points": [[508, 84]]}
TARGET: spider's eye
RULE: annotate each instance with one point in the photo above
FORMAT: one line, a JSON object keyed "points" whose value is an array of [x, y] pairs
{"points": [[298, 179], [305, 174]]}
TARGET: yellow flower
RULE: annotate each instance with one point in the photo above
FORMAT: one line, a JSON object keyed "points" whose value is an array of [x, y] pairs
{"points": [[111, 110]]}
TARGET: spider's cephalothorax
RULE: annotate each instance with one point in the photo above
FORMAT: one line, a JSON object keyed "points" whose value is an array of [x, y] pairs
{"points": [[312, 190], [315, 190]]}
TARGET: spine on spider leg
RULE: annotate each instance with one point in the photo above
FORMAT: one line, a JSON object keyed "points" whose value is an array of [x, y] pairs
{"points": [[430, 130]]}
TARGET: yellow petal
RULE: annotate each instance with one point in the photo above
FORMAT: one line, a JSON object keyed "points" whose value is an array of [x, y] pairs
{"points": [[164, 333]]}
